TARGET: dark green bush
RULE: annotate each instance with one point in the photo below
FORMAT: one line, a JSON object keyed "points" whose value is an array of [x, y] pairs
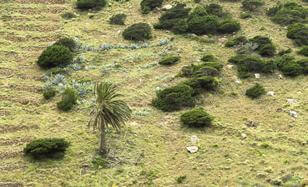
{"points": [[288, 13], [174, 19], [298, 33], [208, 58], [281, 60], [90, 4], [196, 118], [118, 19], [303, 51], [46, 148], [49, 92], [149, 5], [200, 84], [68, 15], [228, 26], [241, 40], [255, 92], [292, 68], [215, 10], [204, 69], [69, 99], [174, 98], [304, 64], [55, 55], [252, 5], [138, 32], [169, 60], [67, 42], [284, 51], [245, 15], [265, 46], [203, 24]]}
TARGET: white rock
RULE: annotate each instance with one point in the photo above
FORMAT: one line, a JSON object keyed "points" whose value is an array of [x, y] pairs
{"points": [[270, 93], [257, 75], [238, 81], [192, 149], [280, 76], [229, 66], [167, 7], [291, 101], [293, 113], [243, 135], [194, 139]]}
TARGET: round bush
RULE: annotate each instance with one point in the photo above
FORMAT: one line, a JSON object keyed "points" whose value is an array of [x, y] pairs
{"points": [[169, 60], [90, 4], [265, 47], [291, 69], [55, 55], [149, 5], [174, 98], [196, 118], [252, 5], [118, 19], [303, 51], [49, 92], [229, 26], [255, 92], [200, 84], [203, 24], [46, 148], [69, 99], [67, 42], [138, 32]]}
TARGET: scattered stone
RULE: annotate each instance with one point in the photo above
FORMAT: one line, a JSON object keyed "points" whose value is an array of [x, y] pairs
{"points": [[167, 7], [243, 135], [192, 149], [270, 93], [194, 139], [257, 75], [230, 66], [293, 113], [280, 76], [291, 101], [238, 82]]}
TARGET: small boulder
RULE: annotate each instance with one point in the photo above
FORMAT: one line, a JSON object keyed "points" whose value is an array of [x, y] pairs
{"points": [[167, 7], [270, 93], [192, 149], [293, 113]]}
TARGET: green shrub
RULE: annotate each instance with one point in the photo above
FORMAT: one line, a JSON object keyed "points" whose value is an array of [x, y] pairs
{"points": [[67, 42], [265, 46], [174, 19], [174, 98], [118, 19], [49, 92], [149, 5], [304, 64], [203, 24], [196, 118], [292, 68], [299, 33], [69, 99], [228, 26], [200, 84], [215, 10], [55, 55], [303, 51], [90, 4], [281, 60], [208, 58], [255, 92], [204, 69], [284, 51], [288, 13], [241, 40], [252, 5], [169, 60], [138, 32], [46, 148], [245, 15]]}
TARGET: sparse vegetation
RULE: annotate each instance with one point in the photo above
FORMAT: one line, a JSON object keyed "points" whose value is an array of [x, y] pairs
{"points": [[169, 60], [55, 55], [138, 32], [255, 92], [252, 5], [49, 92], [196, 118], [46, 148], [118, 19], [69, 99]]}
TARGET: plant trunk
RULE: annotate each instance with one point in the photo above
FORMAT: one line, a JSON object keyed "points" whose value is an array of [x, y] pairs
{"points": [[102, 145]]}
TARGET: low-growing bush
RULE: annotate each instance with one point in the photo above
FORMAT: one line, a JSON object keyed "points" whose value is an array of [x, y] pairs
{"points": [[169, 60], [237, 41], [174, 98], [204, 69], [255, 92], [208, 58], [196, 118], [149, 5], [215, 10], [298, 33], [288, 13], [118, 19], [292, 68], [90, 4], [49, 92], [46, 148], [200, 84], [245, 15], [265, 47], [69, 99], [304, 64], [55, 55], [67, 42], [252, 5], [303, 51], [228, 26], [203, 24], [138, 32]]}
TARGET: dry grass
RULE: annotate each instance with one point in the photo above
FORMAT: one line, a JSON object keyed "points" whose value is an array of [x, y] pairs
{"points": [[151, 149]]}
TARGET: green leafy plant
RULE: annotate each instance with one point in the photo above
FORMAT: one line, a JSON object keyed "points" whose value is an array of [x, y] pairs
{"points": [[196, 118], [55, 55], [138, 32], [49, 92], [46, 148], [109, 111], [255, 92], [69, 99]]}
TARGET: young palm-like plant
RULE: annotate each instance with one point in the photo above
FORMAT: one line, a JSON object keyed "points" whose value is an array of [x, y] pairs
{"points": [[109, 111]]}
